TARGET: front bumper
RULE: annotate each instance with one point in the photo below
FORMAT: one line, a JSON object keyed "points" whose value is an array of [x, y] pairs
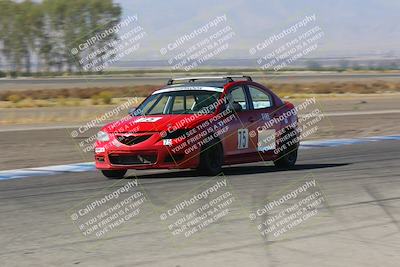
{"points": [[152, 153]]}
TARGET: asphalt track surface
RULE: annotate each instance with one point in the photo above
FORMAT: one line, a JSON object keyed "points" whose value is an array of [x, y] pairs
{"points": [[357, 225], [113, 81]]}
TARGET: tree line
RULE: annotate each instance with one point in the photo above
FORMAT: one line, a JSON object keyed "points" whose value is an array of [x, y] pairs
{"points": [[45, 32]]}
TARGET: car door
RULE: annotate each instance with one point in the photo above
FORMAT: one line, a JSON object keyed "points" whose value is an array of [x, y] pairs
{"points": [[237, 141], [265, 125]]}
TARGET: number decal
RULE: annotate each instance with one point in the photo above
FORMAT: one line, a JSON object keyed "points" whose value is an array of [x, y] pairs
{"points": [[243, 138]]}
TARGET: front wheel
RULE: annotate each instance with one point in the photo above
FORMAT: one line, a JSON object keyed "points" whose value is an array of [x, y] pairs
{"points": [[211, 158], [114, 174]]}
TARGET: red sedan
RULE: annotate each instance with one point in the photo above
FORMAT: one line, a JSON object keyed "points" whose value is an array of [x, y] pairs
{"points": [[201, 123]]}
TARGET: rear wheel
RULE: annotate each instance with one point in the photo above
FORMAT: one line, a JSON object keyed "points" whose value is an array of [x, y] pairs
{"points": [[211, 158], [288, 160], [114, 174], [288, 157]]}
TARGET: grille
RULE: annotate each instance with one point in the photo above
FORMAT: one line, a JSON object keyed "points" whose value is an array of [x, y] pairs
{"points": [[139, 159], [132, 139]]}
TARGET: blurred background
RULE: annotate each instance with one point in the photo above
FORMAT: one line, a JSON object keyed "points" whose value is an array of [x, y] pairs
{"points": [[68, 67], [64, 63]]}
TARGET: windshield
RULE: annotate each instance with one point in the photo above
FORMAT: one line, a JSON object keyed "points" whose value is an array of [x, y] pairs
{"points": [[180, 102]]}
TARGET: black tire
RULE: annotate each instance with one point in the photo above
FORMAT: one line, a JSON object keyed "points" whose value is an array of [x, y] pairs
{"points": [[288, 157], [114, 174], [288, 160], [211, 158]]}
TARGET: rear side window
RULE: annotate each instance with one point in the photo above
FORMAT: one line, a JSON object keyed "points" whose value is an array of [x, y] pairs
{"points": [[260, 98], [238, 95]]}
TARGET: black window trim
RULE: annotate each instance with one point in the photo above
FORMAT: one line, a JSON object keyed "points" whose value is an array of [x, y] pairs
{"points": [[249, 104], [154, 104]]}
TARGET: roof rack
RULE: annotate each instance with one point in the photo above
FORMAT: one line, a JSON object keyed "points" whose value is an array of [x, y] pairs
{"points": [[193, 79]]}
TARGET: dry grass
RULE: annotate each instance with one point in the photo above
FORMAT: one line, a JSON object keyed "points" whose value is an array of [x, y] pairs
{"points": [[72, 96], [81, 93], [336, 88], [101, 96], [63, 102]]}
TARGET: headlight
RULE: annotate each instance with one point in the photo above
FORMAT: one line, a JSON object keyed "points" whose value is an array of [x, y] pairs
{"points": [[102, 136]]}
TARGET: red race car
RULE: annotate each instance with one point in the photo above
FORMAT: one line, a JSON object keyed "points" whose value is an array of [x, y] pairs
{"points": [[201, 123]]}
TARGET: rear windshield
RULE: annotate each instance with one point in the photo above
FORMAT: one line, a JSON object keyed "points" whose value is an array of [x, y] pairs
{"points": [[180, 102]]}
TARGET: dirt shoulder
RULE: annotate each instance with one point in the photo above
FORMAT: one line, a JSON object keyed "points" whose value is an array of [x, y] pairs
{"points": [[67, 115]]}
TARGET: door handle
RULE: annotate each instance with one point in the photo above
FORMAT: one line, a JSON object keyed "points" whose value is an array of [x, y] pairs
{"points": [[251, 119], [274, 114]]}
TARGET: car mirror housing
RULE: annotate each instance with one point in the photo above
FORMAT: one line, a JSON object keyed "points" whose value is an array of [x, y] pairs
{"points": [[131, 112]]}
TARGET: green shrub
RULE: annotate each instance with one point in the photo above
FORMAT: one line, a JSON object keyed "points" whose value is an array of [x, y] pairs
{"points": [[15, 98], [106, 97], [95, 99]]}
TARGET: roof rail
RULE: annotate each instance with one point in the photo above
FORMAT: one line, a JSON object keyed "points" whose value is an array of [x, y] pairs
{"points": [[228, 78]]}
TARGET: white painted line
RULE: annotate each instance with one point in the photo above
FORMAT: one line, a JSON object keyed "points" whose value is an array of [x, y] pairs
{"points": [[47, 170], [365, 112], [89, 166]]}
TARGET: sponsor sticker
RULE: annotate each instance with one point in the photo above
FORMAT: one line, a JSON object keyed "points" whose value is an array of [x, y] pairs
{"points": [[167, 142], [265, 116], [100, 149], [243, 138], [149, 119]]}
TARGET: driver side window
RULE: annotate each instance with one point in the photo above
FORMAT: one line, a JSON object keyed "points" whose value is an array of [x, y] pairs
{"points": [[238, 96]]}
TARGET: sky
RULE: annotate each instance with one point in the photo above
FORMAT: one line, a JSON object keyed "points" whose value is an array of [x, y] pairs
{"points": [[350, 27]]}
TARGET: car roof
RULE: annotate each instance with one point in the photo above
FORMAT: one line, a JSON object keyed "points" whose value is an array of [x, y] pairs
{"points": [[218, 84], [191, 86], [188, 88], [206, 83], [211, 83]]}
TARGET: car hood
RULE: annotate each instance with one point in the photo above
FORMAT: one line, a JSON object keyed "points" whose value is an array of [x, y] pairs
{"points": [[156, 123]]}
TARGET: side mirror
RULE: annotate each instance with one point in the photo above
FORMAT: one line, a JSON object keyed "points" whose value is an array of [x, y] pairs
{"points": [[131, 111]]}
